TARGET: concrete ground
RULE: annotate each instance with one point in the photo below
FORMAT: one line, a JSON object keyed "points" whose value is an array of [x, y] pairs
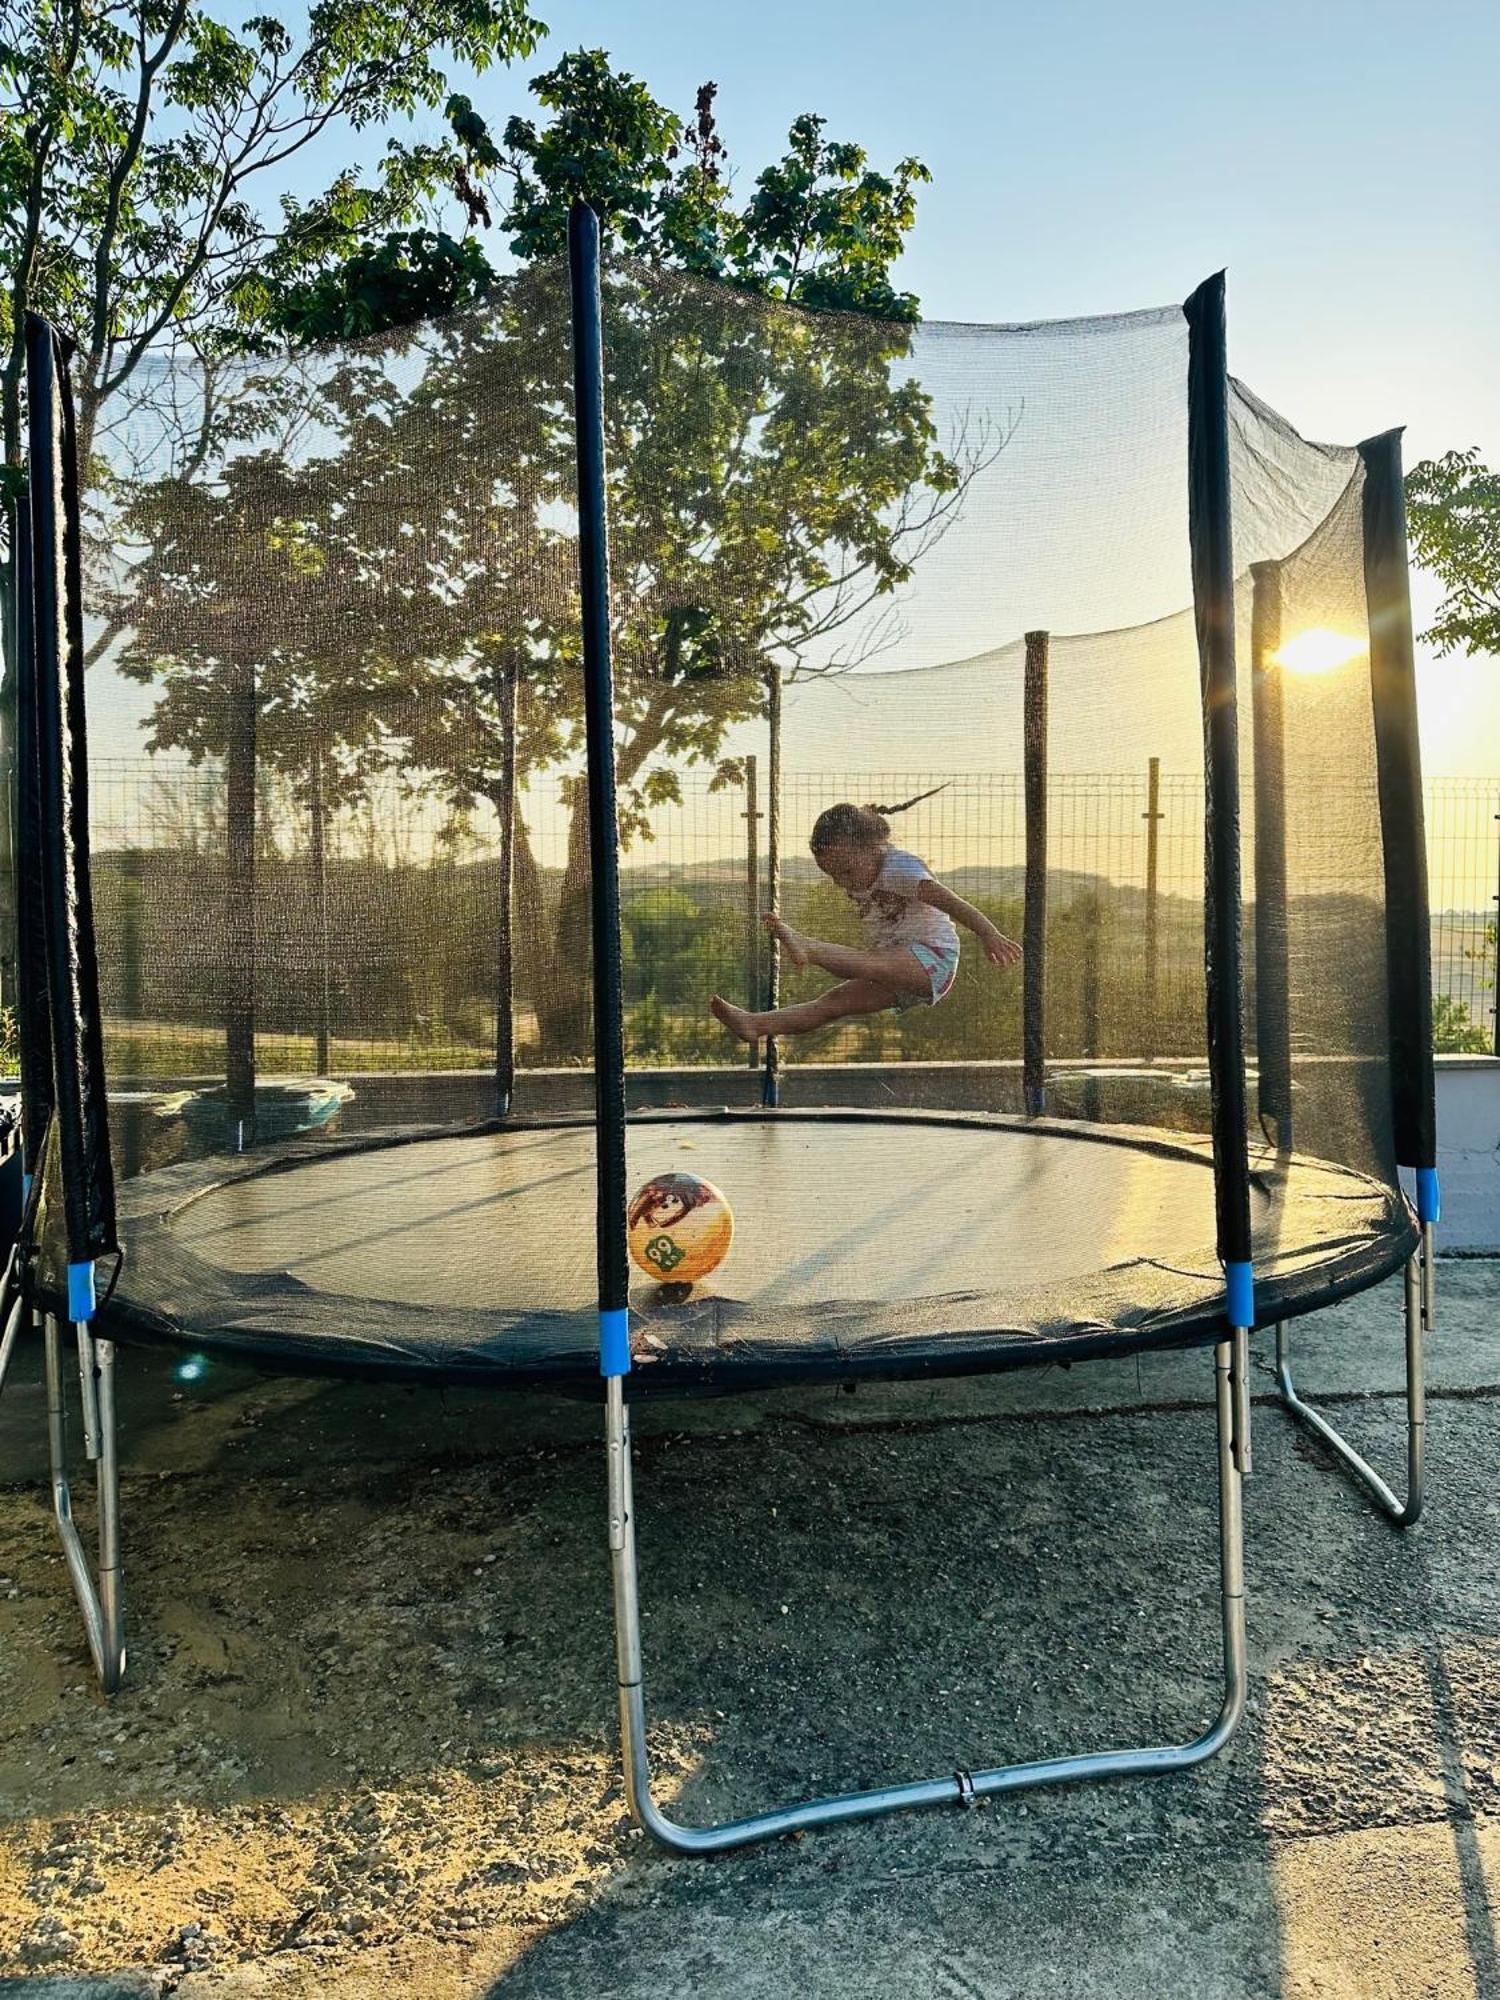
{"points": [[366, 1744]]}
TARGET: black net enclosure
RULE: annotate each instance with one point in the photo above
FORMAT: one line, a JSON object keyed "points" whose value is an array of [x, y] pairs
{"points": [[925, 643], [636, 830]]}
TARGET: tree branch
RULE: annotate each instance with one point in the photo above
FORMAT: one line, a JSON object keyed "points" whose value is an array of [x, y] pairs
{"points": [[124, 167]]}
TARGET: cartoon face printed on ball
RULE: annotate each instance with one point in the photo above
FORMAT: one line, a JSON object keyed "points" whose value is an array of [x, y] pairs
{"points": [[680, 1227]]}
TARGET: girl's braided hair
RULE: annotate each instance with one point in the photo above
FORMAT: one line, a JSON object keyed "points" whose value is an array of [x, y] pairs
{"points": [[848, 825]]}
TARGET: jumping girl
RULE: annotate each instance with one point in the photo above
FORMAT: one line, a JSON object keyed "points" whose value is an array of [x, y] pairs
{"points": [[913, 959]]}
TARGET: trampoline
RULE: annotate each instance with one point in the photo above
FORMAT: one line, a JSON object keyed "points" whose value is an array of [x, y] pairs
{"points": [[471, 1258], [478, 851]]}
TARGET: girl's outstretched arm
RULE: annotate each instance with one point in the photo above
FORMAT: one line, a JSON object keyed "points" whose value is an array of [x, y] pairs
{"points": [[998, 948]]}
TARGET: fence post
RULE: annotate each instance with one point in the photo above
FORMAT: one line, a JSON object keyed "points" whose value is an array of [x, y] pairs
{"points": [[771, 1077], [507, 697], [1034, 920], [751, 817], [1093, 920], [1153, 817], [239, 913], [319, 842], [132, 877]]}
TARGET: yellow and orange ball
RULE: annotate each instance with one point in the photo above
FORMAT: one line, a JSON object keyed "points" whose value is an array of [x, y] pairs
{"points": [[681, 1228]]}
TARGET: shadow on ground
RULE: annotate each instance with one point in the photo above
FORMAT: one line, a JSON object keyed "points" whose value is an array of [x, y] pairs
{"points": [[367, 1743]]}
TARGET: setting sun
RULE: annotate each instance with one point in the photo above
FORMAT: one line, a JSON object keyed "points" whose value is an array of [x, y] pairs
{"points": [[1317, 651]]}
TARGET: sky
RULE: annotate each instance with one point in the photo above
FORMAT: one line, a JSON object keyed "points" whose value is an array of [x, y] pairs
{"points": [[1341, 160]]}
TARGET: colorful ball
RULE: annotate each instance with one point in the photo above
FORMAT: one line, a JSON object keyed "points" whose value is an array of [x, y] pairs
{"points": [[680, 1228]]}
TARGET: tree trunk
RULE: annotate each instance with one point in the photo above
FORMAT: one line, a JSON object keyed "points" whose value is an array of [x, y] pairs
{"points": [[572, 992], [565, 1027], [533, 966]]}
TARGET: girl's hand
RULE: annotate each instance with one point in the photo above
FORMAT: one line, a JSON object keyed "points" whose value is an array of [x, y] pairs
{"points": [[1001, 950]]}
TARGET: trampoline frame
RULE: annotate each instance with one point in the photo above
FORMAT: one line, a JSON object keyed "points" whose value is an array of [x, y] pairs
{"points": [[153, 1204], [74, 1092], [961, 1787], [1420, 1295], [101, 1603]]}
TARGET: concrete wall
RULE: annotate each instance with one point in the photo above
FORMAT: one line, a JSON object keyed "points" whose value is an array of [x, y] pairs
{"points": [[1468, 1108]]}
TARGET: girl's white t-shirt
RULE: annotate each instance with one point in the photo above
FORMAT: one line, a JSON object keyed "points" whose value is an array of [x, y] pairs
{"points": [[895, 913]]}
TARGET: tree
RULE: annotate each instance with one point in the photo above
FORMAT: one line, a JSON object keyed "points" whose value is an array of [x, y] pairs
{"points": [[407, 507], [135, 138], [1453, 513]]}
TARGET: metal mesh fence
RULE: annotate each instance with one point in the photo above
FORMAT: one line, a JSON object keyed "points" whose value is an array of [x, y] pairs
{"points": [[1463, 851], [382, 958]]}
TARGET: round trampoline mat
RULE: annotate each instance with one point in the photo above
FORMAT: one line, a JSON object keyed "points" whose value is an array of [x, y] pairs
{"points": [[863, 1243]]}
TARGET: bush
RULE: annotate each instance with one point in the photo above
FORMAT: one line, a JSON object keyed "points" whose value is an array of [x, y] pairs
{"points": [[1454, 1032]]}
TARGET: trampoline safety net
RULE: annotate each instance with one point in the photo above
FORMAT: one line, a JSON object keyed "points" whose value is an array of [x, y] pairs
{"points": [[340, 841]]}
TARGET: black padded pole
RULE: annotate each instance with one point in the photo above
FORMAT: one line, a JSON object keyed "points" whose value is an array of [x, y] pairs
{"points": [[507, 693], [1398, 758], [1273, 1024], [1034, 928], [28, 842], [10, 643], [1212, 546], [239, 906], [609, 994], [71, 951]]}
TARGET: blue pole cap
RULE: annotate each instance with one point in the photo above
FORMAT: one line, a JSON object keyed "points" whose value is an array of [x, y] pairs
{"points": [[1429, 1195], [83, 1300], [1239, 1285], [614, 1342]]}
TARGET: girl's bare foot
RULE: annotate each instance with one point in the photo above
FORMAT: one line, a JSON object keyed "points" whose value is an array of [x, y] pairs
{"points": [[735, 1019], [793, 943]]}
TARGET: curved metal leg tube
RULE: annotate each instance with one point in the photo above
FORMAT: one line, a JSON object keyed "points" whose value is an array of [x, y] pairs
{"points": [[956, 1788], [15, 1319], [1401, 1512], [99, 1602]]}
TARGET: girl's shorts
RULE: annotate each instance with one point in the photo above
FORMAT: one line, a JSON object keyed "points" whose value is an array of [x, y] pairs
{"points": [[940, 963]]}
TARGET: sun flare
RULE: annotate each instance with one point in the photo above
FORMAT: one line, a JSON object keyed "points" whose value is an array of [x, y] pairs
{"points": [[1319, 650]]}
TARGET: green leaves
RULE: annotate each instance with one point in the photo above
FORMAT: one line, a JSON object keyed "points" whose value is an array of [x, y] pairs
{"points": [[1453, 518], [384, 534], [406, 276], [610, 143], [821, 228], [133, 139]]}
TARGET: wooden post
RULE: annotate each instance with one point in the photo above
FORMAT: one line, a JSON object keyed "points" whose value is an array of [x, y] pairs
{"points": [[1093, 919], [751, 818], [1152, 817], [1034, 931], [771, 1078], [508, 696], [317, 831], [239, 915]]}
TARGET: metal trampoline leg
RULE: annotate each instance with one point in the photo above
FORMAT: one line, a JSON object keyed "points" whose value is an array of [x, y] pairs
{"points": [[1429, 1279], [1419, 1291], [100, 1604], [960, 1787], [15, 1318]]}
